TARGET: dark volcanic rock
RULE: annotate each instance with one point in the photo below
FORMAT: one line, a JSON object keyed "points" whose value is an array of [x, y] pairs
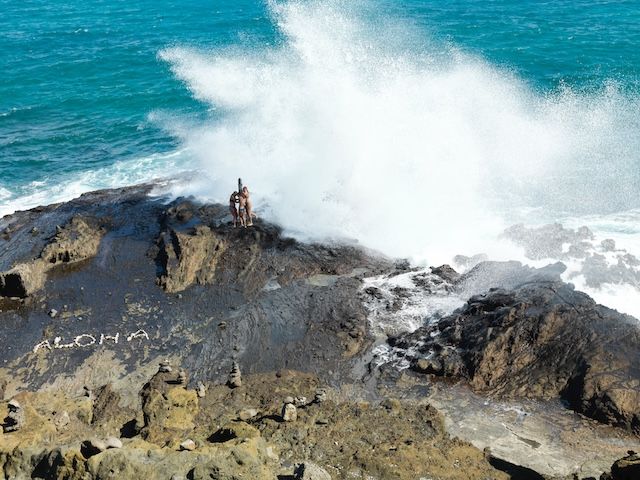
{"points": [[160, 280], [626, 468], [78, 240], [137, 281], [446, 273], [543, 340]]}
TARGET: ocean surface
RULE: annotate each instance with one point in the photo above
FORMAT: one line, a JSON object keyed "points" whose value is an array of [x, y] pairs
{"points": [[419, 128]]}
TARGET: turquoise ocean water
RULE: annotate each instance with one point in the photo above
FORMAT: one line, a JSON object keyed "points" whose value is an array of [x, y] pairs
{"points": [[421, 128], [83, 88]]}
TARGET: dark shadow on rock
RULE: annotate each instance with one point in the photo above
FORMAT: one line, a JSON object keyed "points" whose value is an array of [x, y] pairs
{"points": [[274, 417], [222, 435], [129, 429], [516, 472]]}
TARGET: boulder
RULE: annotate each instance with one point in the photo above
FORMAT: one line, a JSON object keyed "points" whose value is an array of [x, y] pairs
{"points": [[289, 412], [446, 273], [320, 395], [201, 390], [78, 240], [310, 471], [106, 404], [626, 468], [92, 447], [189, 257], [61, 420], [540, 340], [247, 414], [428, 365], [15, 419], [164, 366], [168, 411]]}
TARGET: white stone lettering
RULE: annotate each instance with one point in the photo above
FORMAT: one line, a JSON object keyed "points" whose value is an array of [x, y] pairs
{"points": [[88, 340], [44, 344], [57, 344], [104, 338], [138, 334]]}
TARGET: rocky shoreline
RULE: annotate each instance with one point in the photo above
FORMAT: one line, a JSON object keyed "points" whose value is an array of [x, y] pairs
{"points": [[96, 293]]}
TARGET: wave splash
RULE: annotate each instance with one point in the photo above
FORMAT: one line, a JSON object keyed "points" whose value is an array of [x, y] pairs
{"points": [[358, 127]]}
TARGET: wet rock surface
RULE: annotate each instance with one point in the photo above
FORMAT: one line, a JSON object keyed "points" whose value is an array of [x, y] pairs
{"points": [[160, 341], [541, 339], [78, 240], [119, 309]]}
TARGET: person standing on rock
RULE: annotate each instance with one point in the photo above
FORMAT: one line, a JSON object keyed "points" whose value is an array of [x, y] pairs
{"points": [[248, 205], [242, 208], [233, 199]]}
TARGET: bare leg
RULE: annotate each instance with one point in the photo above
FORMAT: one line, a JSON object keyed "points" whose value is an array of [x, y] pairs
{"points": [[234, 216], [250, 216]]}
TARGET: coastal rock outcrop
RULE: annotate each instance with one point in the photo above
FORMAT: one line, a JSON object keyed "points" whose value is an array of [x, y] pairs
{"points": [[157, 290], [188, 257], [76, 241], [168, 410], [356, 439], [541, 340]]}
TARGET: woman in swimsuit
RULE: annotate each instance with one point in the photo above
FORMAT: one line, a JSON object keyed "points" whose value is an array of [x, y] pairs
{"points": [[243, 204], [233, 199]]}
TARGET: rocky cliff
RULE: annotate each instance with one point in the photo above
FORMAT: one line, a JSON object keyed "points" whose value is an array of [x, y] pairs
{"points": [[122, 316]]}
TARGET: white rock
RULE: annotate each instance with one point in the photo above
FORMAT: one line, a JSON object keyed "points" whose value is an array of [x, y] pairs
{"points": [[188, 445], [201, 390], [98, 445], [289, 412], [247, 414], [113, 442], [61, 419], [310, 471]]}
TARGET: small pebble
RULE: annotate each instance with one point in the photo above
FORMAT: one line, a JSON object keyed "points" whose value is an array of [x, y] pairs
{"points": [[113, 442], [188, 445], [247, 414]]}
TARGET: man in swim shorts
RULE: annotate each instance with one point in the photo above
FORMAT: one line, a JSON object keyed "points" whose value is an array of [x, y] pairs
{"points": [[248, 205]]}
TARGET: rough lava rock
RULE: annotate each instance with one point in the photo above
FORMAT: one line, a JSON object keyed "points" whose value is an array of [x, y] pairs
{"points": [[543, 340], [137, 279], [78, 240]]}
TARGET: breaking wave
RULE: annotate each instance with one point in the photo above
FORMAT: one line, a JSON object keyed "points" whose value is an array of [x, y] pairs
{"points": [[357, 126]]}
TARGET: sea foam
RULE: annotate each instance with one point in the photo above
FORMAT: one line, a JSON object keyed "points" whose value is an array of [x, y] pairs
{"points": [[357, 127]]}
